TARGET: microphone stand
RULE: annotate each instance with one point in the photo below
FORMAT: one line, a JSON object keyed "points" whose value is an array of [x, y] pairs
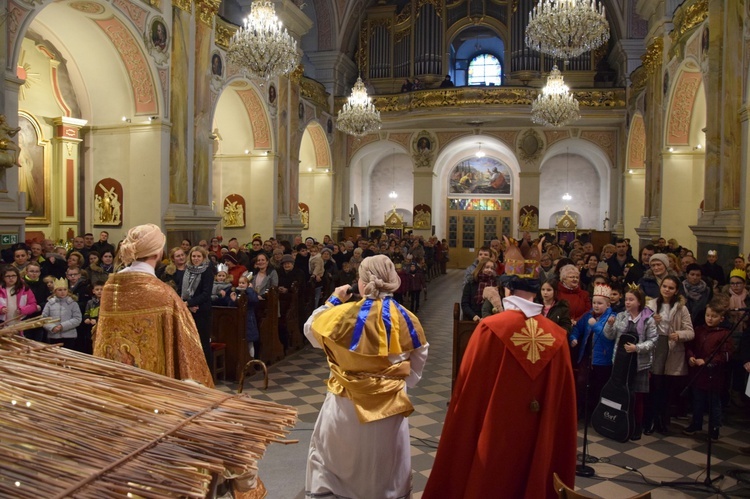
{"points": [[583, 469], [708, 482]]}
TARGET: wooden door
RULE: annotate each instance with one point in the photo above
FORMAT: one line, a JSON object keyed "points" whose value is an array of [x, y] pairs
{"points": [[473, 225]]}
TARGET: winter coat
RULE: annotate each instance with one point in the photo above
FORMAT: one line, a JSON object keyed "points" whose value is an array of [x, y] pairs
{"points": [[25, 302], [703, 345], [68, 313], [649, 283], [647, 335], [602, 347], [578, 300], [560, 315], [271, 281], [316, 267], [669, 356], [220, 286]]}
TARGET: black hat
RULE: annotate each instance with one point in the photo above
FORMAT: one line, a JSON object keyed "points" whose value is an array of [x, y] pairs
{"points": [[515, 283]]}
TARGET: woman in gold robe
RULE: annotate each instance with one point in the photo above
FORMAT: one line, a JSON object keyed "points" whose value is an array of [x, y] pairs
{"points": [[143, 320]]}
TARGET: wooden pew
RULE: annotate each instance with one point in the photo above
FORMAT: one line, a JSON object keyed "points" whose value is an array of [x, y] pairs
{"points": [[462, 331], [228, 326], [267, 314], [290, 315]]}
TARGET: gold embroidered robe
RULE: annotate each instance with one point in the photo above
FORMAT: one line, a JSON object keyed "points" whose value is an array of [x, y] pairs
{"points": [[142, 322]]}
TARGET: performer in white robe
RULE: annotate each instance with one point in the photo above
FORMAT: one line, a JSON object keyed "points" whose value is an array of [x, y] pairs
{"points": [[375, 348]]}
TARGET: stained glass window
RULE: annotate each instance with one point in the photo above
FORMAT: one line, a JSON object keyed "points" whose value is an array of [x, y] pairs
{"points": [[485, 69]]}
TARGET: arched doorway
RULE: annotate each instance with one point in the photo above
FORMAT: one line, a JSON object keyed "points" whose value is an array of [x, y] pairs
{"points": [[474, 193]]}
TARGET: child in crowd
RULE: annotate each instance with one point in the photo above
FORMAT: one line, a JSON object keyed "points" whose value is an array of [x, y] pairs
{"points": [[417, 285], [637, 320], [616, 301], [596, 352], [252, 334], [707, 387], [221, 287], [90, 317], [50, 282], [68, 315]]}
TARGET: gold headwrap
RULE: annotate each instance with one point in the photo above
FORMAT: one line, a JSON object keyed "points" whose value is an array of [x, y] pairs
{"points": [[379, 275], [142, 241]]}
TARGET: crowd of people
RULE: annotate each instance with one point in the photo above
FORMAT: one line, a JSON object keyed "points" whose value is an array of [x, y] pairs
{"points": [[680, 309], [66, 281]]}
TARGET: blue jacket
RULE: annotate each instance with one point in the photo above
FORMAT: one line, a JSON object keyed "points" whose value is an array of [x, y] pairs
{"points": [[602, 346]]}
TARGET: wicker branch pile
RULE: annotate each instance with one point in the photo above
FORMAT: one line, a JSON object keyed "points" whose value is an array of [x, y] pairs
{"points": [[72, 425]]}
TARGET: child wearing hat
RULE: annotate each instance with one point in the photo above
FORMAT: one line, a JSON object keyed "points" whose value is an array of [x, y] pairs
{"points": [[68, 314], [596, 351], [222, 286]]}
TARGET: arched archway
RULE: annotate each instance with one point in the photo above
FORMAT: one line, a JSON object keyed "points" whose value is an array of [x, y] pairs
{"points": [[596, 161], [87, 63], [243, 159], [683, 161], [471, 210], [316, 180], [361, 190], [634, 178]]}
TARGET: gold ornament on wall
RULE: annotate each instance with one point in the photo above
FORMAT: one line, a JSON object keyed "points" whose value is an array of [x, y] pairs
{"points": [[423, 149], [530, 145], [234, 211], [108, 202], [422, 216], [529, 218], [304, 215]]}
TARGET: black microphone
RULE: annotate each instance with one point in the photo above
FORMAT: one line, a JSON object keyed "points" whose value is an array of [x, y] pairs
{"points": [[353, 289], [743, 309]]}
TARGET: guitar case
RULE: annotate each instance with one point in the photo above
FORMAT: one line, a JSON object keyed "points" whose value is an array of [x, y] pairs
{"points": [[611, 417]]}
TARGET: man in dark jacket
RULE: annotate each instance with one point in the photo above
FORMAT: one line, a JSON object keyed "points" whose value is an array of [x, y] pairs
{"points": [[617, 262]]}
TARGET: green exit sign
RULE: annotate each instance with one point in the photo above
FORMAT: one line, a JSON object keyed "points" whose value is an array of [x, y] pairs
{"points": [[8, 238]]}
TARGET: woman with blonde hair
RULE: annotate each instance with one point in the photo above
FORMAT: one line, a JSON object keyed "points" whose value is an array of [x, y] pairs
{"points": [[375, 349]]}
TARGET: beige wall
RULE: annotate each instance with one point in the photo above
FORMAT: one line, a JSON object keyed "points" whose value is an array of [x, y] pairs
{"points": [[681, 196], [635, 198], [253, 177], [315, 190]]}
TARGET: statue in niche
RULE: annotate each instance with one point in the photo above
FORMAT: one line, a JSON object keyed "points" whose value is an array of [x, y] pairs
{"points": [[421, 220], [234, 214], [107, 207], [9, 150], [422, 216], [304, 215], [529, 218]]}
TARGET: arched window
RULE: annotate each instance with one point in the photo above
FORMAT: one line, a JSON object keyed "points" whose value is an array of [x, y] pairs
{"points": [[485, 69]]}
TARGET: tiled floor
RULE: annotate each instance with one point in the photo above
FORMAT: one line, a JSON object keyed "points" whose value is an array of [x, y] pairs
{"points": [[299, 380]]}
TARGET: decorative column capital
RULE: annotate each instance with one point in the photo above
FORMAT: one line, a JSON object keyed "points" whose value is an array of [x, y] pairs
{"points": [[206, 10], [67, 128]]}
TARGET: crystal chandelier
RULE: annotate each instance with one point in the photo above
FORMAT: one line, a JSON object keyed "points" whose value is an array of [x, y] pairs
{"points": [[555, 106], [358, 117], [263, 49], [566, 29]]}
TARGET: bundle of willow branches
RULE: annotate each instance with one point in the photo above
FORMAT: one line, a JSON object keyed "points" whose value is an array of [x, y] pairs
{"points": [[73, 425], [14, 326]]}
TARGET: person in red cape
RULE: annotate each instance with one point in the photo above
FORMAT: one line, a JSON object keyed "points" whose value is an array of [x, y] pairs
{"points": [[511, 422]]}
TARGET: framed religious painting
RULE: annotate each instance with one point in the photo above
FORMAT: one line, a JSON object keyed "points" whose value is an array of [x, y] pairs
{"points": [[34, 172]]}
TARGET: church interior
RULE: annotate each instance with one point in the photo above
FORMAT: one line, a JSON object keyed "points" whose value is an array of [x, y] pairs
{"points": [[122, 102], [125, 112]]}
